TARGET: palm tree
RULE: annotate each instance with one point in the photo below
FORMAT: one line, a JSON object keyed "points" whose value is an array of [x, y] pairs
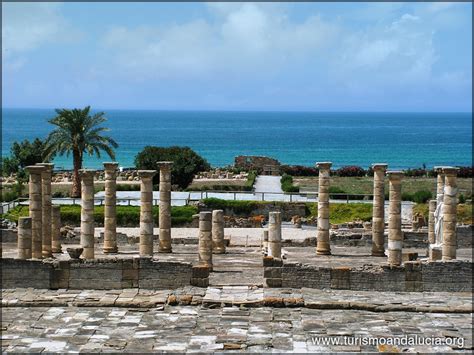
{"points": [[78, 132]]}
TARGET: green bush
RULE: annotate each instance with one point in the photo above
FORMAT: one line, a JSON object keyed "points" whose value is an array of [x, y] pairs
{"points": [[252, 175], [186, 163], [127, 216], [420, 196], [287, 184], [238, 207], [128, 187]]}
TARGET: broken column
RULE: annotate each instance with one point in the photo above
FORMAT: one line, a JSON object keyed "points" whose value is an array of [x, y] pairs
{"points": [[36, 208], [46, 177], [205, 239], [323, 247], [165, 207], [395, 234], [87, 212], [265, 241], [146, 212], [56, 229], [110, 216], [218, 246], [378, 211], [431, 222], [274, 234], [24, 238], [449, 214]]}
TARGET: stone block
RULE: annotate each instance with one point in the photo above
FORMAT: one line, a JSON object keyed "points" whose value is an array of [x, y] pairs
{"points": [[273, 282]]}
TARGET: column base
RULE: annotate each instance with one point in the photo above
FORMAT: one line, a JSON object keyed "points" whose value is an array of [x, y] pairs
{"points": [[164, 250], [110, 250], [323, 252], [46, 255], [378, 253]]}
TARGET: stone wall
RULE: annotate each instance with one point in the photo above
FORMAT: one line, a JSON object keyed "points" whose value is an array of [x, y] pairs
{"points": [[251, 162], [101, 274], [412, 276]]}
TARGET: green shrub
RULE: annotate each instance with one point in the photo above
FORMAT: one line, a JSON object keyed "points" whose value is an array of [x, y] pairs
{"points": [[244, 208], [343, 212], [127, 216], [252, 175], [462, 199], [186, 163], [422, 196], [128, 187], [287, 184]]}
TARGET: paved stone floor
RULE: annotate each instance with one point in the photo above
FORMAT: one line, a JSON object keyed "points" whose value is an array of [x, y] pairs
{"points": [[189, 328]]}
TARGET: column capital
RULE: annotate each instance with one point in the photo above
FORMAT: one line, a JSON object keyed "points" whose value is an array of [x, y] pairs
{"points": [[35, 169], [395, 174], [111, 166], [450, 171], [48, 167], [146, 174], [86, 173], [324, 165], [380, 166], [164, 164]]}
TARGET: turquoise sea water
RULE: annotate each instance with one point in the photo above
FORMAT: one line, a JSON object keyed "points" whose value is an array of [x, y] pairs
{"points": [[402, 140]]}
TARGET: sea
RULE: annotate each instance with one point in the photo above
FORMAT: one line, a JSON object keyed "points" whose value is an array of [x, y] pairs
{"points": [[403, 140]]}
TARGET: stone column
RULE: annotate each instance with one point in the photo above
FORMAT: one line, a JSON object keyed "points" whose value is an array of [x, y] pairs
{"points": [[46, 177], [274, 234], [146, 212], [218, 246], [36, 208], [439, 206], [395, 234], [265, 241], [431, 222], [110, 217], [24, 238], [165, 207], [323, 247], [378, 211], [56, 229], [449, 214], [87, 212], [205, 239]]}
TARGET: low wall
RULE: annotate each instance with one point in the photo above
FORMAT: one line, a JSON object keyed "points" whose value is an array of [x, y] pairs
{"points": [[453, 276], [101, 274]]}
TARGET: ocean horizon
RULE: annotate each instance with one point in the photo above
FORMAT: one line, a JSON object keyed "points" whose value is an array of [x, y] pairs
{"points": [[401, 139]]}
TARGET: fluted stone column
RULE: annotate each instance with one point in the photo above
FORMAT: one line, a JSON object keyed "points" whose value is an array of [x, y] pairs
{"points": [[36, 208], [378, 211], [449, 214], [218, 246], [165, 207], [46, 177], [431, 222], [205, 239], [24, 238], [323, 246], [395, 234], [56, 229], [110, 216], [146, 212], [274, 234], [87, 212]]}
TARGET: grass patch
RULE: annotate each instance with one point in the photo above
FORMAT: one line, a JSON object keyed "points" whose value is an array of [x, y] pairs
{"points": [[287, 184], [464, 212], [343, 212], [127, 216]]}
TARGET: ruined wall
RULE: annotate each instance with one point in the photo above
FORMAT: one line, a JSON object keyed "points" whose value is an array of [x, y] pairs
{"points": [[101, 274], [251, 162], [414, 276]]}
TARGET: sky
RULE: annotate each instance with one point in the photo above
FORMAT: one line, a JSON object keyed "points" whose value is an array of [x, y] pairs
{"points": [[238, 56]]}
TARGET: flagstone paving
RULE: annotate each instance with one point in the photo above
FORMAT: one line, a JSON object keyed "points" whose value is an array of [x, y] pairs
{"points": [[200, 329]]}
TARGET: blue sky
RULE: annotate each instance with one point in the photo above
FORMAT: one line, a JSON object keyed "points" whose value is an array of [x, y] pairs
{"points": [[238, 56]]}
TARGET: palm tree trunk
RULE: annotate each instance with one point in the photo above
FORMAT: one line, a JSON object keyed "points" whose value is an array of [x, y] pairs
{"points": [[76, 179]]}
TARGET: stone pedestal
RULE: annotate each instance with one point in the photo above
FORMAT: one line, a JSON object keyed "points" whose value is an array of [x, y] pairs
{"points": [[146, 212], [378, 212], [449, 213], [24, 238], [274, 234], [56, 229], [218, 246], [46, 177], [87, 212], [323, 246], [110, 215], [205, 239], [435, 253], [165, 207], [36, 208], [395, 234]]}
